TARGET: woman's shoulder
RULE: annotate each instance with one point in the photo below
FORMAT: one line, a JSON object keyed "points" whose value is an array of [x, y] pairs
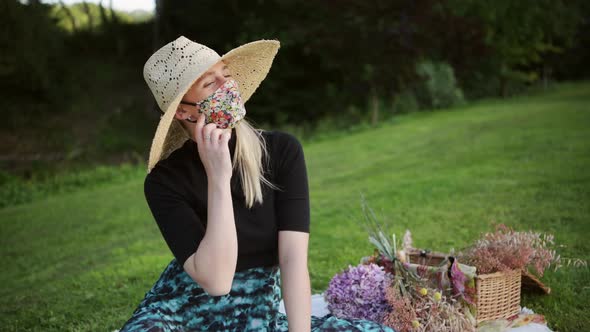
{"points": [[282, 141], [173, 169], [285, 149]]}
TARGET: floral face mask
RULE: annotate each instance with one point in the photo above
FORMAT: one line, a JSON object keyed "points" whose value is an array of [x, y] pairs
{"points": [[224, 107]]}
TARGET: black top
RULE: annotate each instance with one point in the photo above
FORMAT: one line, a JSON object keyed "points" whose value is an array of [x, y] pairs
{"points": [[176, 192]]}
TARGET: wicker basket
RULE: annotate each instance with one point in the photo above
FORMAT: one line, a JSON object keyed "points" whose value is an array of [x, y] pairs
{"points": [[498, 295], [425, 257]]}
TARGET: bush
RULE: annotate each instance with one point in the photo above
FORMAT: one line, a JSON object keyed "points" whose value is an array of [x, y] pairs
{"points": [[439, 87], [405, 102]]}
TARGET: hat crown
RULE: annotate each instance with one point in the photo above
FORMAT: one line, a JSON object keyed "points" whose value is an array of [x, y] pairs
{"points": [[175, 67]]}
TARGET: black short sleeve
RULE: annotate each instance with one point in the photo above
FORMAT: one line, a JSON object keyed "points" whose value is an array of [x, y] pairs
{"points": [[292, 201], [179, 224]]}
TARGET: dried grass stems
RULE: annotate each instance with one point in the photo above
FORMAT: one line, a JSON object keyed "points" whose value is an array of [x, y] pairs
{"points": [[506, 249]]}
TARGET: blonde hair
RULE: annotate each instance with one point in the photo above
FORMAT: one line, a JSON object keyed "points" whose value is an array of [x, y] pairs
{"points": [[249, 157], [250, 153]]}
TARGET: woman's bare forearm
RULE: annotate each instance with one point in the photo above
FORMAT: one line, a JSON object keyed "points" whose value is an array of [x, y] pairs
{"points": [[218, 251], [296, 291]]}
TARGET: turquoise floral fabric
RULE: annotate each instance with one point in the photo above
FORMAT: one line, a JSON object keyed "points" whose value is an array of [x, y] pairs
{"points": [[177, 303]]}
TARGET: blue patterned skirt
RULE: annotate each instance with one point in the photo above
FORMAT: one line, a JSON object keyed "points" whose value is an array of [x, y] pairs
{"points": [[177, 303]]}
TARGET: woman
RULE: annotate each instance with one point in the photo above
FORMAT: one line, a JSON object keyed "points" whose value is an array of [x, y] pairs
{"points": [[231, 201]]}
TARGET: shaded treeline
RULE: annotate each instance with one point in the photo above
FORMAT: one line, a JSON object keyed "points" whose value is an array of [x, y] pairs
{"points": [[339, 58], [341, 52]]}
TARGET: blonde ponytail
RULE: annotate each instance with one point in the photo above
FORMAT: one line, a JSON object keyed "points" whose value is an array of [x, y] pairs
{"points": [[249, 157]]}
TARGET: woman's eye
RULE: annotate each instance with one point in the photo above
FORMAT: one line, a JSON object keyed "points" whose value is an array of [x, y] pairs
{"points": [[206, 85], [227, 75]]}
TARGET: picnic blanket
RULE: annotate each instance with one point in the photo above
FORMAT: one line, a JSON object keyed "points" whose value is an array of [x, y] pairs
{"points": [[526, 321]]}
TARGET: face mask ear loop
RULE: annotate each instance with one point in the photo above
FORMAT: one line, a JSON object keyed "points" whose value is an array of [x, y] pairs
{"points": [[192, 104]]}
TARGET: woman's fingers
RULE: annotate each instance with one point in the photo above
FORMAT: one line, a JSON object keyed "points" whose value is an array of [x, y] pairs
{"points": [[199, 129], [221, 136], [225, 137], [216, 135], [208, 131]]}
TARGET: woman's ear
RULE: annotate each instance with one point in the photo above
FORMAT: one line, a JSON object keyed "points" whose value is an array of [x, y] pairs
{"points": [[181, 114], [184, 115]]}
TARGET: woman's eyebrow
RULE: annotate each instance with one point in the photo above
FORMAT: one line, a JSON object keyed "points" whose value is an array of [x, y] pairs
{"points": [[209, 73]]}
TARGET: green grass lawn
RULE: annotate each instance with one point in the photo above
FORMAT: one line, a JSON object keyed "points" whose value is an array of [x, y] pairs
{"points": [[82, 261]]}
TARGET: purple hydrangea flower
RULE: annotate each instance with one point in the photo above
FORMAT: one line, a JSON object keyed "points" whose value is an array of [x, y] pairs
{"points": [[359, 292]]}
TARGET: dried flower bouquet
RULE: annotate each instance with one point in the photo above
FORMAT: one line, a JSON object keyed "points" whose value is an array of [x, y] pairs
{"points": [[403, 295]]}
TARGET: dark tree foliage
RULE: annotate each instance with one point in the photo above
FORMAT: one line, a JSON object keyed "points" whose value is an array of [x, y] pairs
{"points": [[32, 52], [334, 53]]}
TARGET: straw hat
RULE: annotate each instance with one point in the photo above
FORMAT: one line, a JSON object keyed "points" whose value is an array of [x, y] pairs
{"points": [[174, 68]]}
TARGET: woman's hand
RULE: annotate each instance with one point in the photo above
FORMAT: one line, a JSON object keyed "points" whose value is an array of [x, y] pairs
{"points": [[214, 152]]}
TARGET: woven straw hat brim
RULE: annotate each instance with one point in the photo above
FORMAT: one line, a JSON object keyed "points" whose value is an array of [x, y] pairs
{"points": [[249, 64]]}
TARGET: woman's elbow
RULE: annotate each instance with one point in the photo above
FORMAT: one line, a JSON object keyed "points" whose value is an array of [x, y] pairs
{"points": [[209, 282], [217, 289], [213, 285]]}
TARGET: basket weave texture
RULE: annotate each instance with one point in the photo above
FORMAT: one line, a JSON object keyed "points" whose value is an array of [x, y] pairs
{"points": [[498, 295]]}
